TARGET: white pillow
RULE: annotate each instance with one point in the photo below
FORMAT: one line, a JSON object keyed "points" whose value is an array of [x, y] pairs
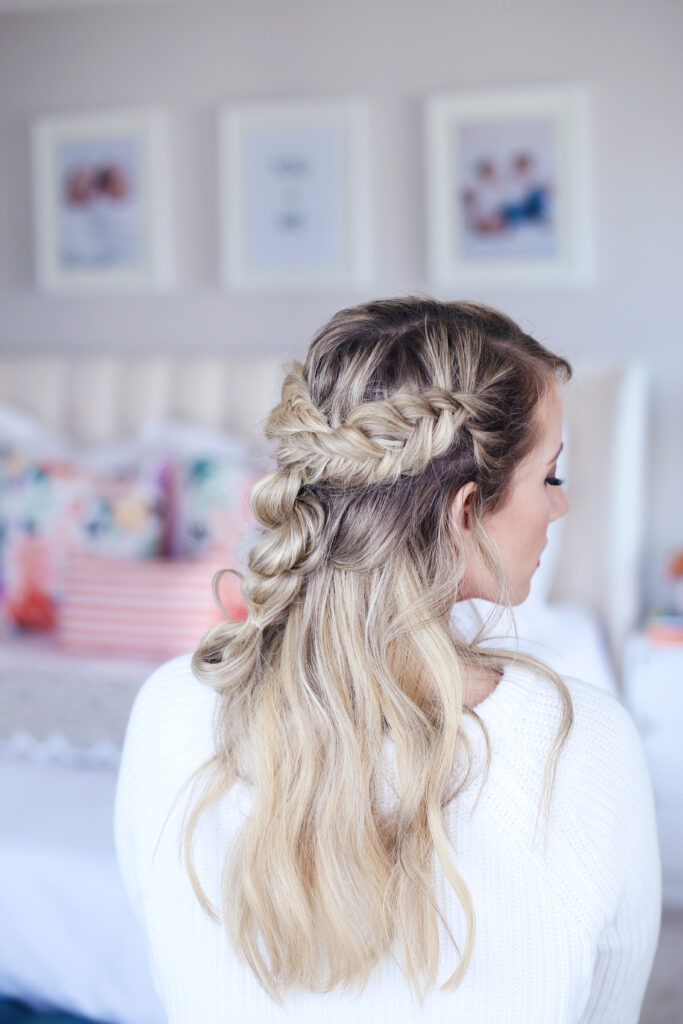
{"points": [[183, 440], [26, 433]]}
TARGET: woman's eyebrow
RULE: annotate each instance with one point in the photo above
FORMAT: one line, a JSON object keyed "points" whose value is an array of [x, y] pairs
{"points": [[555, 457]]}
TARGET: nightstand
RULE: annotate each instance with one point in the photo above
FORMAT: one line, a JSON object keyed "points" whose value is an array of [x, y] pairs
{"points": [[653, 693]]}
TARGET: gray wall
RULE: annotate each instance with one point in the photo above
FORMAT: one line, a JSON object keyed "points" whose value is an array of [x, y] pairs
{"points": [[190, 57]]}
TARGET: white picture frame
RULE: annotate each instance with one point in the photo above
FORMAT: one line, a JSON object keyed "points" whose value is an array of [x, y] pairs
{"points": [[509, 188], [102, 201], [295, 196]]}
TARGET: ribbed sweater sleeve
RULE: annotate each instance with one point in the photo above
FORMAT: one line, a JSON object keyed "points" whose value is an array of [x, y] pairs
{"points": [[627, 945]]}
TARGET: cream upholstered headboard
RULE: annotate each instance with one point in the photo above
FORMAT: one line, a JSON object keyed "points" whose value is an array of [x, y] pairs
{"points": [[96, 399]]}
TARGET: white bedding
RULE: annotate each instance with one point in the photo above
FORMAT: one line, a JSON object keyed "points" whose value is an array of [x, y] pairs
{"points": [[68, 936]]}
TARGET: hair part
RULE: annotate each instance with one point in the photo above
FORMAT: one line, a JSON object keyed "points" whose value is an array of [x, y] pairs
{"points": [[348, 644]]}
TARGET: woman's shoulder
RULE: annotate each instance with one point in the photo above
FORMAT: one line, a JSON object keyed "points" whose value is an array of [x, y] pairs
{"points": [[596, 713], [604, 757], [602, 717], [174, 677], [172, 708], [169, 736], [602, 753]]}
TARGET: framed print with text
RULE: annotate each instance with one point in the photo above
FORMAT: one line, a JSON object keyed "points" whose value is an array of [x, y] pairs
{"points": [[295, 195]]}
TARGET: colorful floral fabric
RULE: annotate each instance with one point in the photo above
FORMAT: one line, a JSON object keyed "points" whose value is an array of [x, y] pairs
{"points": [[50, 505], [177, 492]]}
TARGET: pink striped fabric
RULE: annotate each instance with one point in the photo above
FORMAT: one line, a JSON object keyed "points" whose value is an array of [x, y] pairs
{"points": [[135, 606]]}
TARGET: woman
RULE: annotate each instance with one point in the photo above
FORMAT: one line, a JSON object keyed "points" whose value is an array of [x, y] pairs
{"points": [[359, 839]]}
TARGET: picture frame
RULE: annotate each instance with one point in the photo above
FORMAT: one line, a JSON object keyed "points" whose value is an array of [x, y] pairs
{"points": [[295, 196], [509, 188], [102, 201]]}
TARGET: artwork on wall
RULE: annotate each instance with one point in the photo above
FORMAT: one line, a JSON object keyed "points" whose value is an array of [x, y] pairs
{"points": [[101, 201], [509, 188], [295, 205]]}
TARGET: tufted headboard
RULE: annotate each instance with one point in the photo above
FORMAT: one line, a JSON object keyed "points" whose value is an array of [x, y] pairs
{"points": [[96, 399]]}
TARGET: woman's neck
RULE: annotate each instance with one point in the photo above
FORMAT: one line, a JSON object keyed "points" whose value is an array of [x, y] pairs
{"points": [[480, 684]]}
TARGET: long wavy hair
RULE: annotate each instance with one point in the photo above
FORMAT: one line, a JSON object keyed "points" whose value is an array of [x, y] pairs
{"points": [[348, 642]]}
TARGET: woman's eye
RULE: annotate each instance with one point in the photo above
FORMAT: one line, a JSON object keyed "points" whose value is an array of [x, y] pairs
{"points": [[554, 481]]}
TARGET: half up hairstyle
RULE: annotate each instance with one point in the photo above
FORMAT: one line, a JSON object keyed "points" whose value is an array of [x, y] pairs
{"points": [[348, 645]]}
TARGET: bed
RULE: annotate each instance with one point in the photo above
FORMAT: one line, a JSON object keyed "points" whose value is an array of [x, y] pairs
{"points": [[69, 939]]}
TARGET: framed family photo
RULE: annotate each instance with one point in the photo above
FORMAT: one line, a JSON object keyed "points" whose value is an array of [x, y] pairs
{"points": [[101, 201], [295, 207], [508, 182]]}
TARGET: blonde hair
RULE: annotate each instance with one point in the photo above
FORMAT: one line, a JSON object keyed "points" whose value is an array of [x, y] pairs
{"points": [[348, 641]]}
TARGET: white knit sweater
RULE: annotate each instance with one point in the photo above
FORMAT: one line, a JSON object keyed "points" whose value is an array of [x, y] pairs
{"points": [[563, 936]]}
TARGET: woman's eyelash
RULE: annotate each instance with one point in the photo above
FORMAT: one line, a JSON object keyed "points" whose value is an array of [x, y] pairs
{"points": [[554, 481]]}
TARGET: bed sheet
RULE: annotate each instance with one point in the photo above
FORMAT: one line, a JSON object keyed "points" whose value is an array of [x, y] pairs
{"points": [[60, 707], [69, 938]]}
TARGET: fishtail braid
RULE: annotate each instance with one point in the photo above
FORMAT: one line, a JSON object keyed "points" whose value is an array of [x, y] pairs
{"points": [[378, 442]]}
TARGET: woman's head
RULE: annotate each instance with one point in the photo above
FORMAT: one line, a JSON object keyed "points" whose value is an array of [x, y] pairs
{"points": [[409, 447], [416, 427]]}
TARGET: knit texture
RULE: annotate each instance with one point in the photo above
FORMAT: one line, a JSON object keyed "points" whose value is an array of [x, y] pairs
{"points": [[566, 931]]}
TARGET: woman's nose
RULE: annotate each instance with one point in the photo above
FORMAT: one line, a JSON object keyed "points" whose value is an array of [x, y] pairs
{"points": [[560, 504]]}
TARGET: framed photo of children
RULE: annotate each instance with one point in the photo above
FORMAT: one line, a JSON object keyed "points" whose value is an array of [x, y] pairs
{"points": [[509, 196], [101, 201], [295, 207]]}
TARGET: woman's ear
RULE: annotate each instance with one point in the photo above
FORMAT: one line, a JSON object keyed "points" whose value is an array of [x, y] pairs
{"points": [[461, 504]]}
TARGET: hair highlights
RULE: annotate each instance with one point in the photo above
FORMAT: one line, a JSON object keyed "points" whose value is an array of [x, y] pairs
{"points": [[348, 652]]}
